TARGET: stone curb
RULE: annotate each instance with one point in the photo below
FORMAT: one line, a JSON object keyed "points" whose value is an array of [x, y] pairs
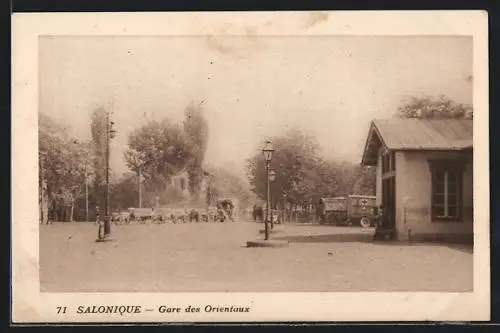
{"points": [[267, 243]]}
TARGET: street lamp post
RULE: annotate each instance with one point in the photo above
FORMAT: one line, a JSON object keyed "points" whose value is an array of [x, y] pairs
{"points": [[272, 177], [270, 174], [268, 155]]}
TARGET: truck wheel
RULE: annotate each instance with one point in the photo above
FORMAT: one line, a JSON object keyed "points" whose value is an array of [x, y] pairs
{"points": [[365, 222]]}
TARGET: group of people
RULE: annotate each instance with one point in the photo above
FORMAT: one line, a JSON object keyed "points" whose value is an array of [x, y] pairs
{"points": [[258, 214]]}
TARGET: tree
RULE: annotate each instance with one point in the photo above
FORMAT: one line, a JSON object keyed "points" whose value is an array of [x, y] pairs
{"points": [[50, 140], [303, 175], [62, 165], [434, 107], [124, 192], [364, 180], [160, 149], [196, 130], [226, 184], [295, 160], [98, 128]]}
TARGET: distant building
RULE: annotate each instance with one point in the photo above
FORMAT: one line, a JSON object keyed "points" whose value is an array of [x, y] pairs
{"points": [[181, 181], [424, 176]]}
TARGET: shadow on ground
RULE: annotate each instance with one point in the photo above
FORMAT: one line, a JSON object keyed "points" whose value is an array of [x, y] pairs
{"points": [[368, 239]]}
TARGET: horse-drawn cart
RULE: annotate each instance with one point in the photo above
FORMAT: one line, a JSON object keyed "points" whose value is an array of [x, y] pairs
{"points": [[226, 210]]}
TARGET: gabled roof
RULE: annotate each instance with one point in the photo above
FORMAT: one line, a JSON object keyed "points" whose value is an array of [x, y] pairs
{"points": [[416, 134]]}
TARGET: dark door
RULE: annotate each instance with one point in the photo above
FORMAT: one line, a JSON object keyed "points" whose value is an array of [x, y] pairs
{"points": [[389, 202]]}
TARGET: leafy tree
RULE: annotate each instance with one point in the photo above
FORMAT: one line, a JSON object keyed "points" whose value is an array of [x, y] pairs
{"points": [[196, 130], [98, 128], [303, 175], [294, 160], [226, 184], [63, 169], [434, 107], [124, 193], [364, 180], [160, 149]]}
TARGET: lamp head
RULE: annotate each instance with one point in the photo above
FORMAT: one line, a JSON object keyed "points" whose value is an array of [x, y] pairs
{"points": [[268, 151]]}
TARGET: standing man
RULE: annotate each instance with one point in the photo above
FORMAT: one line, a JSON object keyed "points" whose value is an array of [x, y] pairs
{"points": [[100, 230], [97, 214]]}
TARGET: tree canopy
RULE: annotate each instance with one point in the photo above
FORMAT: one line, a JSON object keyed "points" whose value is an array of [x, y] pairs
{"points": [[196, 131], [302, 174], [227, 184], [163, 148], [160, 149], [63, 165], [98, 129], [434, 107]]}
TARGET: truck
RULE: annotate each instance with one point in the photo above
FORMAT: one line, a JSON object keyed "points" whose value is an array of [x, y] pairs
{"points": [[352, 209]]}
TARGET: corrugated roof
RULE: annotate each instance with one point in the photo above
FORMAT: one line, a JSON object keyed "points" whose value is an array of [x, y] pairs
{"points": [[417, 134], [334, 204], [426, 134]]}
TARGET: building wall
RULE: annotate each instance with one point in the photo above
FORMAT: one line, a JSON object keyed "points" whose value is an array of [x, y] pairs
{"points": [[378, 181], [177, 179], [413, 193], [401, 183]]}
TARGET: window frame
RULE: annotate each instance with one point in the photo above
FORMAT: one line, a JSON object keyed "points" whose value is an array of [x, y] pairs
{"points": [[447, 167]]}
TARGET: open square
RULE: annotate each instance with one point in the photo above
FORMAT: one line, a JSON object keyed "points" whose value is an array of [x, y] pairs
{"points": [[212, 257]]}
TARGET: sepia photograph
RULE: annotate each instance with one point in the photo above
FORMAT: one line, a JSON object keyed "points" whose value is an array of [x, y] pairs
{"points": [[255, 163]]}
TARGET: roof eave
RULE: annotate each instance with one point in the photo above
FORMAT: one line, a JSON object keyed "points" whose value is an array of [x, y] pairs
{"points": [[365, 161], [364, 157]]}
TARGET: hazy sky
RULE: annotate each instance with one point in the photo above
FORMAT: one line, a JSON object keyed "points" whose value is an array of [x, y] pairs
{"points": [[252, 87]]}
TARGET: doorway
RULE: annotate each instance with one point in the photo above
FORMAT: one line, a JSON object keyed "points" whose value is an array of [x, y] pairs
{"points": [[389, 190], [389, 202]]}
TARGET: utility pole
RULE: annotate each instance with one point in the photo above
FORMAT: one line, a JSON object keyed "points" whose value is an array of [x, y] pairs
{"points": [[139, 185], [107, 222], [110, 134], [86, 193]]}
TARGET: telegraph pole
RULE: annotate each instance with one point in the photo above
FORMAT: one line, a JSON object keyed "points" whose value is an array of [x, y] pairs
{"points": [[86, 193], [139, 184], [107, 222], [110, 134]]}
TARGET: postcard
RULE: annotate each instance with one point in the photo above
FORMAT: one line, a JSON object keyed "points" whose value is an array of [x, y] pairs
{"points": [[250, 167]]}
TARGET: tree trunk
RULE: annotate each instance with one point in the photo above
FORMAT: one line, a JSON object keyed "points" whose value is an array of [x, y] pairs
{"points": [[71, 211], [43, 202], [60, 213]]}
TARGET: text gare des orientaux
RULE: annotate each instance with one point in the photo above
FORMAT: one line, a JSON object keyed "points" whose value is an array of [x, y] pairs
{"points": [[135, 309]]}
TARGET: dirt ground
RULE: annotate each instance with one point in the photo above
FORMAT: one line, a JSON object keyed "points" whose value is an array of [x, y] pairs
{"points": [[213, 257]]}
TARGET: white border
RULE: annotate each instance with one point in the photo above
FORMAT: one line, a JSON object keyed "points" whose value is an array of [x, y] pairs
{"points": [[29, 305]]}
